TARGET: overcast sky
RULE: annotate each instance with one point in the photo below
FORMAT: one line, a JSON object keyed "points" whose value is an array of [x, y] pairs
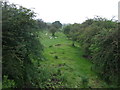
{"points": [[71, 11]]}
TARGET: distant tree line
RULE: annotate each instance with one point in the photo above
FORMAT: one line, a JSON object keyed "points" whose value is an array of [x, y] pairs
{"points": [[99, 39]]}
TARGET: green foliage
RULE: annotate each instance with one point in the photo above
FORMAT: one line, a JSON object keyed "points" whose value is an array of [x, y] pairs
{"points": [[99, 39], [67, 29], [22, 51], [41, 24], [20, 45], [57, 24], [8, 83], [53, 30], [54, 27], [85, 82]]}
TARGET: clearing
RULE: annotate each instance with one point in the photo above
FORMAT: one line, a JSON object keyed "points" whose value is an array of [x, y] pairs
{"points": [[66, 65]]}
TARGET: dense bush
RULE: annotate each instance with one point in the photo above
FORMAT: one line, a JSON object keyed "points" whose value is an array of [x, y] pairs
{"points": [[20, 45], [99, 39]]}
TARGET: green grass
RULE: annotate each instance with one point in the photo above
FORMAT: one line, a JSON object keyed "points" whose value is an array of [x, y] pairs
{"points": [[73, 67]]}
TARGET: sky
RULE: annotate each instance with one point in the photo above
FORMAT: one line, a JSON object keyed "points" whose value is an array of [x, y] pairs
{"points": [[70, 11]]}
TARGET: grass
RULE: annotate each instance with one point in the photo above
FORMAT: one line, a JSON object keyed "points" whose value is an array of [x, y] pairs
{"points": [[67, 62]]}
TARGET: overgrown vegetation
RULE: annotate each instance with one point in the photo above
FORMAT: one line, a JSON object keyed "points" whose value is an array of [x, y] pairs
{"points": [[20, 46], [99, 39], [37, 54]]}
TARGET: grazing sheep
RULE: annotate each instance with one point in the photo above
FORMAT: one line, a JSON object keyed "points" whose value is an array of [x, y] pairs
{"points": [[46, 34], [50, 37]]}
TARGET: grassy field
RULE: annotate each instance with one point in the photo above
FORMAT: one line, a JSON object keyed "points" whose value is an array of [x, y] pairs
{"points": [[66, 65]]}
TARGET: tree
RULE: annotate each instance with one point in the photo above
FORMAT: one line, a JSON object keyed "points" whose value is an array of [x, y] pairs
{"points": [[57, 24], [41, 24], [53, 30], [72, 32], [67, 29], [54, 27]]}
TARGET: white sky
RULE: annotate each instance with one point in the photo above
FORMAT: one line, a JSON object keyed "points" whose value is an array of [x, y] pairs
{"points": [[71, 11]]}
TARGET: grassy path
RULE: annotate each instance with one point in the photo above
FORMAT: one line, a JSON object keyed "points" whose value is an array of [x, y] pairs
{"points": [[67, 66]]}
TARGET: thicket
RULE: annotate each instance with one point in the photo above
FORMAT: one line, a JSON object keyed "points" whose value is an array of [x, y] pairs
{"points": [[99, 39], [22, 50]]}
